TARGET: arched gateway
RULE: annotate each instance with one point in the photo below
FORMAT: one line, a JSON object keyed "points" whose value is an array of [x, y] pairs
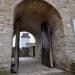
{"points": [[48, 21], [43, 21]]}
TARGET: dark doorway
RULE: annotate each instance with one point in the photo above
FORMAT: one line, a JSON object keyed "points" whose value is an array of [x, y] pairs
{"points": [[45, 45], [33, 51]]}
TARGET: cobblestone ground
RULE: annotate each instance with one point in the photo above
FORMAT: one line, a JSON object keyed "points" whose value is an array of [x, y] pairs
{"points": [[30, 66]]}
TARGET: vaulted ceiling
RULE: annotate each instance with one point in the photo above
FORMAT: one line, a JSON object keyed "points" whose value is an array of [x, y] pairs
{"points": [[32, 13]]}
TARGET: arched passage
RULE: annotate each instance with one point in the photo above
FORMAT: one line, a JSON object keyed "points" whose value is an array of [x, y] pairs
{"points": [[29, 16], [25, 49], [31, 38]]}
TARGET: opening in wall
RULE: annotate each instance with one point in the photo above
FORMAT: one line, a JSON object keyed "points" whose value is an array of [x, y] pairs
{"points": [[73, 25]]}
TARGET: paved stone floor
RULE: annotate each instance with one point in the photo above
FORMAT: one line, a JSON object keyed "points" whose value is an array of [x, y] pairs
{"points": [[30, 66]]}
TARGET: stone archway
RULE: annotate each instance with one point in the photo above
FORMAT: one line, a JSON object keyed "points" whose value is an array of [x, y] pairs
{"points": [[30, 15], [67, 12]]}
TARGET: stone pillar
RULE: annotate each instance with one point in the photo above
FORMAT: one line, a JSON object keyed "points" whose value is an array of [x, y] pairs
{"points": [[17, 50], [6, 31], [38, 52], [51, 51]]}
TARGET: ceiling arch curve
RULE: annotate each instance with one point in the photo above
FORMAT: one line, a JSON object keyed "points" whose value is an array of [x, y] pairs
{"points": [[33, 13]]}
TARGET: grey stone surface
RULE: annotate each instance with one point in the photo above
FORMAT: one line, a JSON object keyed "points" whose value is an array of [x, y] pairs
{"points": [[30, 66], [66, 9]]}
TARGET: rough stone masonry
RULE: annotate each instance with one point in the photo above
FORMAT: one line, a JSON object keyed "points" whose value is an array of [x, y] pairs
{"points": [[66, 9]]}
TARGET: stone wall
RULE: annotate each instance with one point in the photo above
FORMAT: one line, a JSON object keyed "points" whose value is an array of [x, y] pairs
{"points": [[61, 60], [31, 51], [24, 52], [38, 49], [6, 29], [66, 9]]}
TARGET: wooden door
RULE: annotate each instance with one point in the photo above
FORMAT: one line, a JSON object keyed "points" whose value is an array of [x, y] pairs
{"points": [[45, 45]]}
